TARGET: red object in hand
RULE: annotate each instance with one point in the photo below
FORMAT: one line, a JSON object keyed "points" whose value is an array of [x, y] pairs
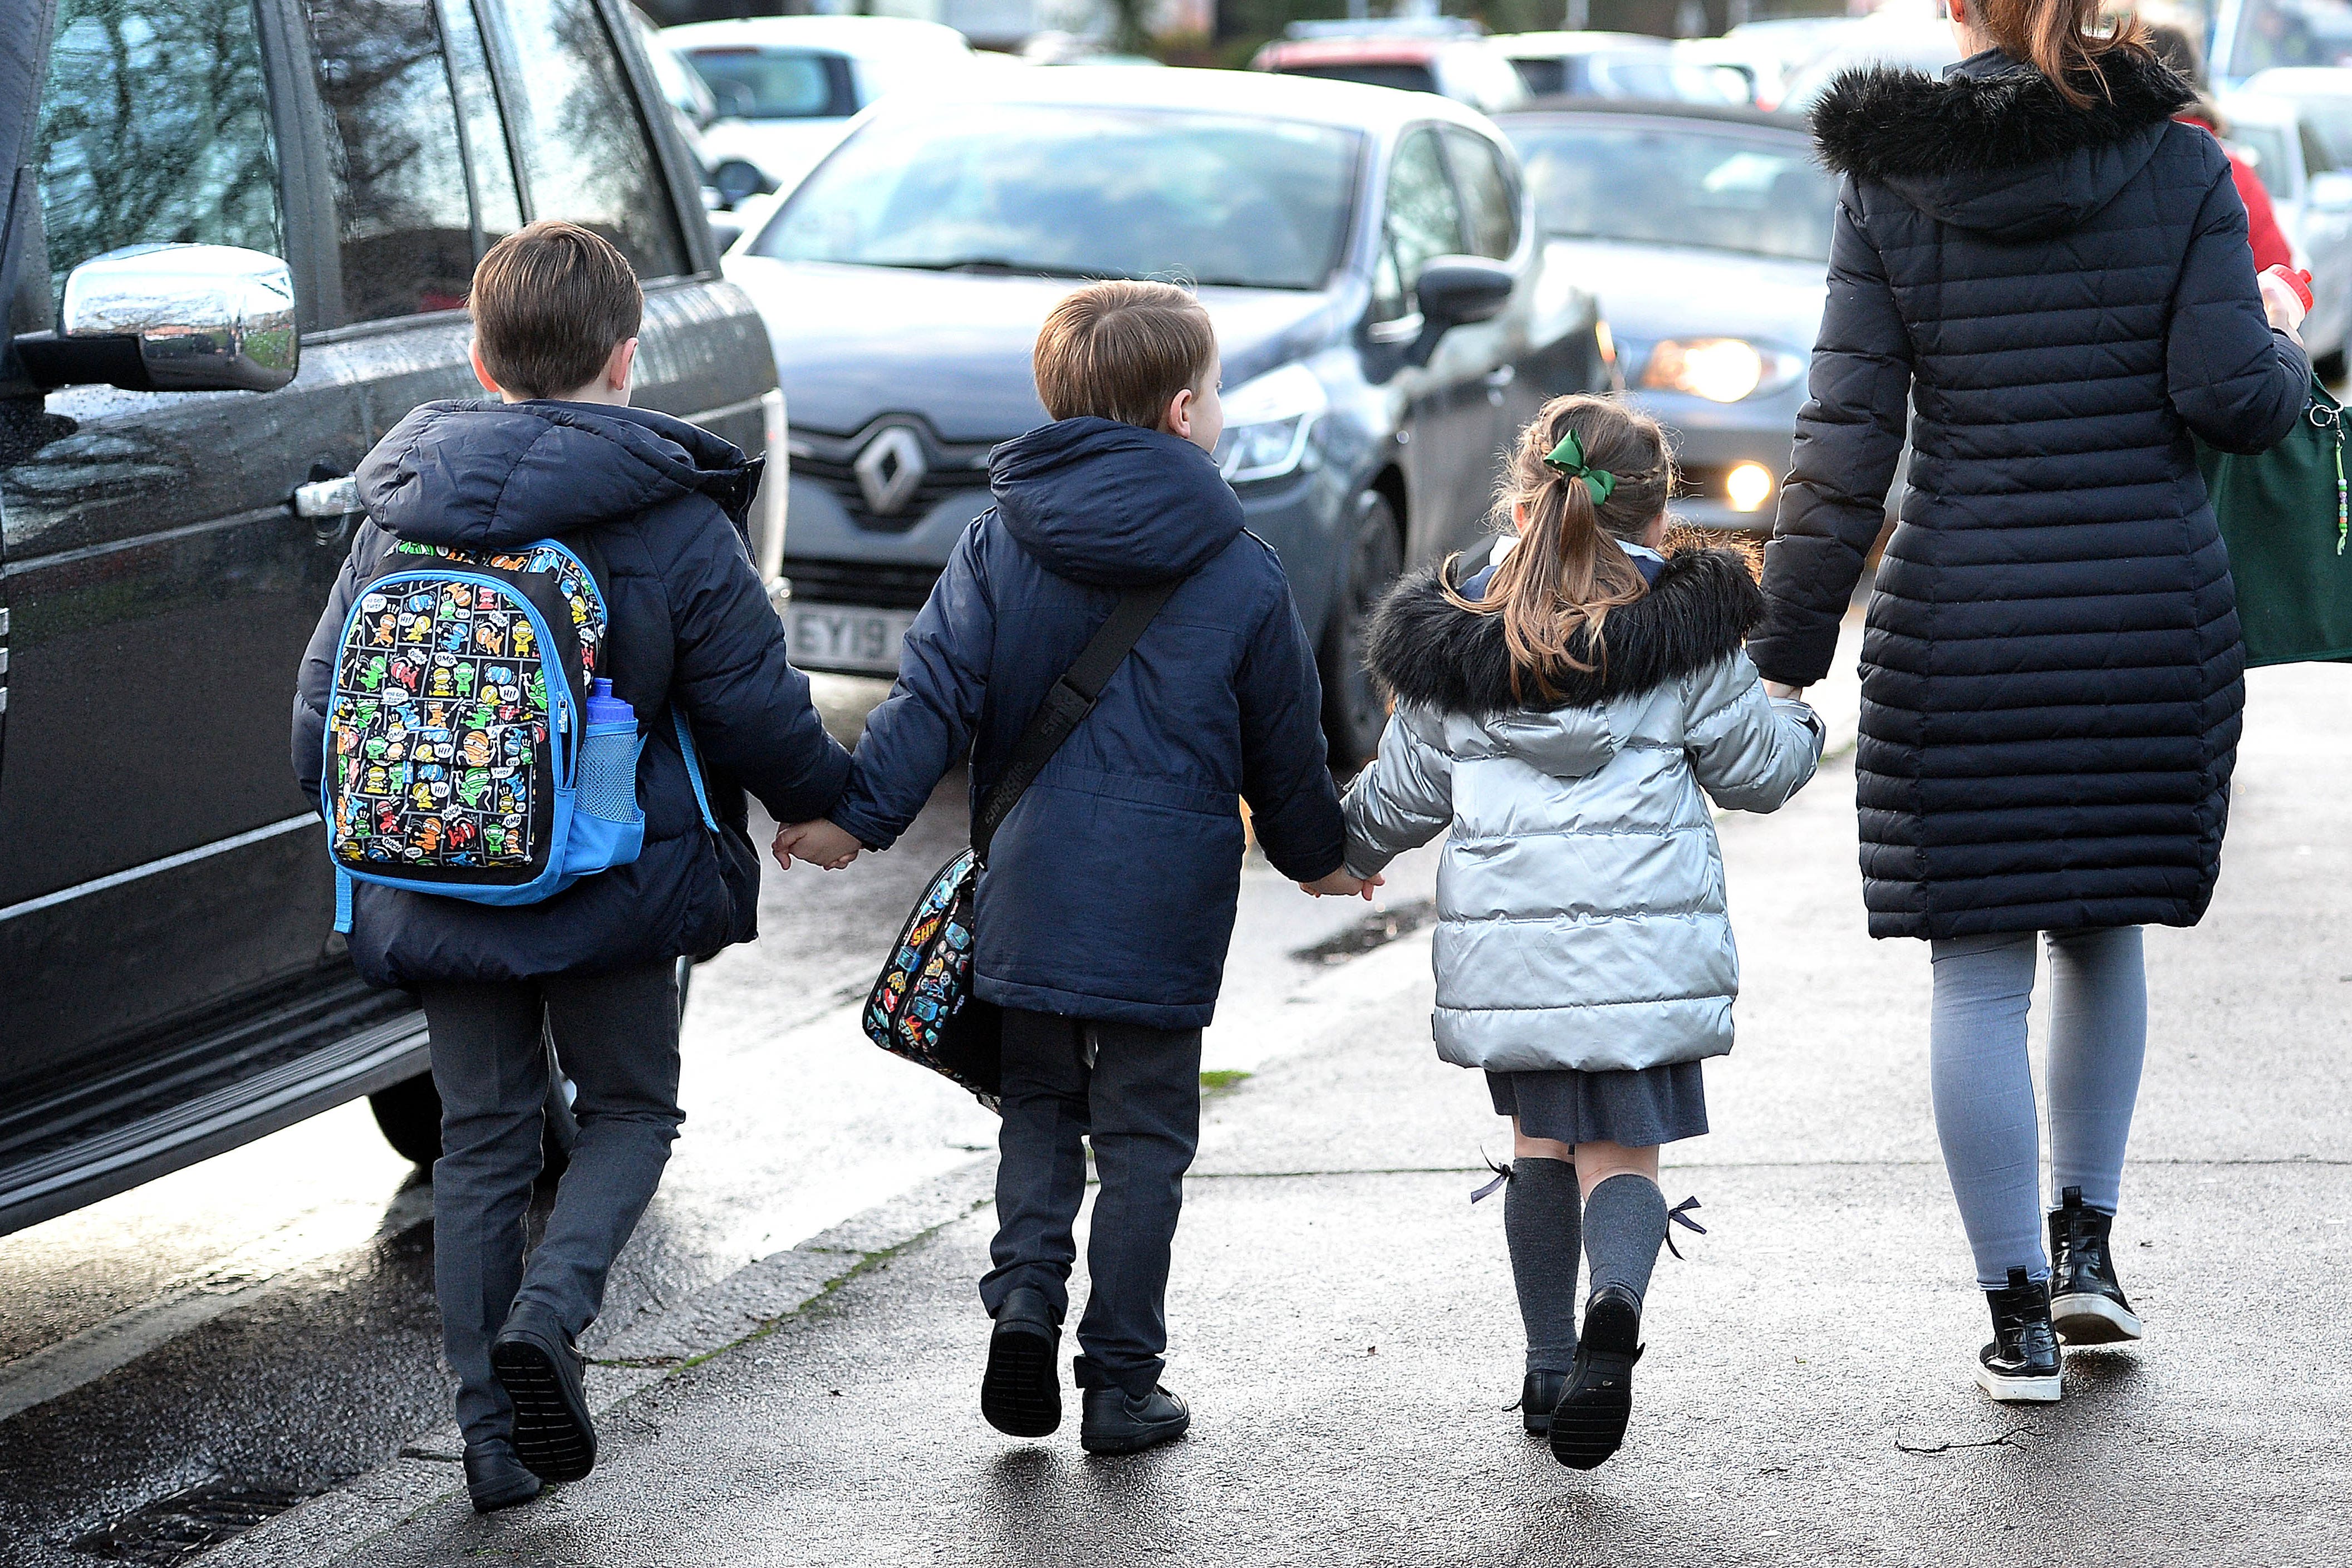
{"points": [[2294, 279]]}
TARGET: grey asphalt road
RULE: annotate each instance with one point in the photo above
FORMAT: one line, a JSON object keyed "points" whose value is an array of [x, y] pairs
{"points": [[263, 1321], [1343, 1320]]}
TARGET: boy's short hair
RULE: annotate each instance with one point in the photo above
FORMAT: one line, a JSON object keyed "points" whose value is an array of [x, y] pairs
{"points": [[549, 303], [1121, 350]]}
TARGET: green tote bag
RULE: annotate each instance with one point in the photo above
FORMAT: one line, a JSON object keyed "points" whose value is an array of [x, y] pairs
{"points": [[2283, 515]]}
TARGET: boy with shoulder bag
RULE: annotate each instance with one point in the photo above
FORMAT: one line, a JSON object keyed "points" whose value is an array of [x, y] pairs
{"points": [[1108, 899], [548, 624]]}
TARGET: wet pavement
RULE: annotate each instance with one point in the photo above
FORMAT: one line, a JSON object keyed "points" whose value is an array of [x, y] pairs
{"points": [[1344, 1326]]}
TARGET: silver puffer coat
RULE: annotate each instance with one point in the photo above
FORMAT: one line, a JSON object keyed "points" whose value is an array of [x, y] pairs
{"points": [[1582, 894]]}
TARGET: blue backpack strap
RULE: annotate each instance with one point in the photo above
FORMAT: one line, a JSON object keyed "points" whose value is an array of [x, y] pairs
{"points": [[693, 765], [342, 901]]}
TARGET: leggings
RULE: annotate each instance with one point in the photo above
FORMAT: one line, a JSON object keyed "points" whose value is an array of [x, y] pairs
{"points": [[1983, 1082]]}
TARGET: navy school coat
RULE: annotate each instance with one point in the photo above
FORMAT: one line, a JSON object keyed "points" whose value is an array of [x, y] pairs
{"points": [[1111, 889], [663, 503], [2051, 670]]}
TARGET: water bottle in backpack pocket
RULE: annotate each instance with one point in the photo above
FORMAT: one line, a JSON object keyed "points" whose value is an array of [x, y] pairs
{"points": [[468, 754]]}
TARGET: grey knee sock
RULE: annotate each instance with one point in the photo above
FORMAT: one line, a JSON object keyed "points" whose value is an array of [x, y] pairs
{"points": [[1540, 1220], [1624, 1222]]}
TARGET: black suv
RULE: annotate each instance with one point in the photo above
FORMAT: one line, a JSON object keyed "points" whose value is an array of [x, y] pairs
{"points": [[240, 236]]}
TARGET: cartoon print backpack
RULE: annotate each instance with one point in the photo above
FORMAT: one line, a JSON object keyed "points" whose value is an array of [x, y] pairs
{"points": [[471, 750]]}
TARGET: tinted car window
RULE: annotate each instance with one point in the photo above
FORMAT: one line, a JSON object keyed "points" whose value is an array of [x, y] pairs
{"points": [[390, 136], [2267, 145], [1543, 77], [2316, 157], [1490, 199], [1404, 78], [1677, 185], [154, 129], [777, 84], [497, 208], [1424, 220], [584, 150], [1090, 193]]}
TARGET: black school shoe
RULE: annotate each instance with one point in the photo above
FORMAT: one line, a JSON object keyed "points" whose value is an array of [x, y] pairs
{"points": [[1589, 1422], [2087, 1301], [1538, 1397], [1113, 1421], [1020, 1393], [2021, 1365], [541, 1372], [495, 1478]]}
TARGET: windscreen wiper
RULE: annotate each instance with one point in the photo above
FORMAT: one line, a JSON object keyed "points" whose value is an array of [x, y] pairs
{"points": [[1000, 264]]}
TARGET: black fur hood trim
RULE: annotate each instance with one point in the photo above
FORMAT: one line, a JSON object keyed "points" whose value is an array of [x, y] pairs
{"points": [[1887, 124], [1433, 654]]}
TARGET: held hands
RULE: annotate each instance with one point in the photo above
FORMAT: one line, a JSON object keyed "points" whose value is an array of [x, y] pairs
{"points": [[1784, 692], [819, 843], [1340, 884]]}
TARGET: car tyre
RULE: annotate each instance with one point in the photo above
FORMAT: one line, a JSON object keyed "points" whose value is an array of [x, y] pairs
{"points": [[1355, 708]]}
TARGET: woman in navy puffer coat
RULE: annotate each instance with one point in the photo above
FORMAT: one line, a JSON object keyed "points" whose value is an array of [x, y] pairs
{"points": [[2052, 275]]}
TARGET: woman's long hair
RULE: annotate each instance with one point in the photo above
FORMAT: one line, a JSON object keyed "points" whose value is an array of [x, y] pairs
{"points": [[1557, 588], [2061, 38]]}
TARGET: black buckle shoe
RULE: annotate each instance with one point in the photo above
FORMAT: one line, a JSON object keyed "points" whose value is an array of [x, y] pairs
{"points": [[495, 1478], [1020, 1393], [1589, 1423], [543, 1374], [1538, 1398], [2021, 1364], [1113, 1421], [2086, 1300]]}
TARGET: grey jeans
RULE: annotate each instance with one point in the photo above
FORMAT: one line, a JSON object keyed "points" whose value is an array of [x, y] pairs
{"points": [[1135, 1094], [617, 1036]]}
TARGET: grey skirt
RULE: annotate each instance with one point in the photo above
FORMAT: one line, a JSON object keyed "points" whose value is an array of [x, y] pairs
{"points": [[1637, 1108]]}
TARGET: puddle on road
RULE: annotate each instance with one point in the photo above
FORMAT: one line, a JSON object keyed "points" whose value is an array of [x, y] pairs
{"points": [[1375, 930], [174, 1530]]}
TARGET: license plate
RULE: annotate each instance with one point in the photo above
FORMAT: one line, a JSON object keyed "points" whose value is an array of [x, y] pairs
{"points": [[863, 642]]}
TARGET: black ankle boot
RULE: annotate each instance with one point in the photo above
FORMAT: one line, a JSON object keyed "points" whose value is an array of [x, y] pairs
{"points": [[1020, 1393], [2021, 1364], [1589, 1422], [495, 1478], [1538, 1398], [2086, 1302]]}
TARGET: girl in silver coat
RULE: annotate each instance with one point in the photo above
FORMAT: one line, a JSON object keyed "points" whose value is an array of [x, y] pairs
{"points": [[1561, 713]]}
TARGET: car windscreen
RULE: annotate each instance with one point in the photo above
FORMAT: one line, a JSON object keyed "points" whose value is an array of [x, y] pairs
{"points": [[776, 84], [1401, 74], [1081, 193], [1699, 184]]}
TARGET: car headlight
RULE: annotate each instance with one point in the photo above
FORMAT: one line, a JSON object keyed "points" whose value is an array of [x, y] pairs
{"points": [[1266, 423], [1721, 369]]}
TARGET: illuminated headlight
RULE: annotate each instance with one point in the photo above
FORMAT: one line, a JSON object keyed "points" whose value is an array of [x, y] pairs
{"points": [[1747, 486], [1266, 423], [1721, 369]]}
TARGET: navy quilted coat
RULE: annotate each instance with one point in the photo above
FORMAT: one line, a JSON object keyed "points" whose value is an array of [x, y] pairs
{"points": [[661, 504], [1111, 889], [2051, 670]]}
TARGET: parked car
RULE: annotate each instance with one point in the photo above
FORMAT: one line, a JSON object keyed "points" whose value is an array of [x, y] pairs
{"points": [[787, 85], [1467, 70], [239, 261], [1904, 41], [2312, 195], [1705, 234], [1620, 65], [1385, 315], [2324, 93]]}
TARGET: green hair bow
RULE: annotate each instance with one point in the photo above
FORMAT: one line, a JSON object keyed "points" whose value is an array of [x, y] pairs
{"points": [[1568, 458]]}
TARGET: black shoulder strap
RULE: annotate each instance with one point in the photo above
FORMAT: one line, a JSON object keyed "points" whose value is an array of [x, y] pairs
{"points": [[1066, 705]]}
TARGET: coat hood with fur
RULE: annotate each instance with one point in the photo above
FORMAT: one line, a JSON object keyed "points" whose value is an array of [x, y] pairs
{"points": [[1991, 146]]}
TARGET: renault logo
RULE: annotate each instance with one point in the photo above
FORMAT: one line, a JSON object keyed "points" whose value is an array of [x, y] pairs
{"points": [[891, 469]]}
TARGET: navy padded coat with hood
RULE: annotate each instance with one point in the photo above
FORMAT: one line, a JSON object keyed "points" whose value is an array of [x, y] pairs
{"points": [[662, 503], [2052, 669], [1111, 889]]}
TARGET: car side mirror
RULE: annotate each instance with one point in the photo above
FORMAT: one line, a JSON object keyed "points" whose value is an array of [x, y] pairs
{"points": [[1456, 290], [2332, 192], [737, 180], [173, 318]]}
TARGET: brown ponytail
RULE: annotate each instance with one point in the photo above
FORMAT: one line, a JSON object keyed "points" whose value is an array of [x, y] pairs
{"points": [[2060, 39], [1557, 588]]}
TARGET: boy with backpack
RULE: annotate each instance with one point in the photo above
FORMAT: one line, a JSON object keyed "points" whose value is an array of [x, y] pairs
{"points": [[1108, 902], [515, 549]]}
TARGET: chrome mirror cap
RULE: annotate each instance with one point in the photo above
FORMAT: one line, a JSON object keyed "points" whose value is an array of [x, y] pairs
{"points": [[207, 318]]}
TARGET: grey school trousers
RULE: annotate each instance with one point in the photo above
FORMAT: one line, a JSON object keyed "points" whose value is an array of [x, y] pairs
{"points": [[617, 1036], [1135, 1094]]}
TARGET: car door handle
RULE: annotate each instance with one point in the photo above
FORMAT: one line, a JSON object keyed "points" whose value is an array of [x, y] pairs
{"points": [[327, 498], [1501, 376]]}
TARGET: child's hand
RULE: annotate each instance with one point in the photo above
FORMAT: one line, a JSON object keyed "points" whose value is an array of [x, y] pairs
{"points": [[1340, 884], [818, 843], [1783, 691]]}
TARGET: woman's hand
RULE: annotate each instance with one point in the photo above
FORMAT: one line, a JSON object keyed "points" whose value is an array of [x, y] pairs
{"points": [[1340, 884], [2282, 304], [818, 843]]}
